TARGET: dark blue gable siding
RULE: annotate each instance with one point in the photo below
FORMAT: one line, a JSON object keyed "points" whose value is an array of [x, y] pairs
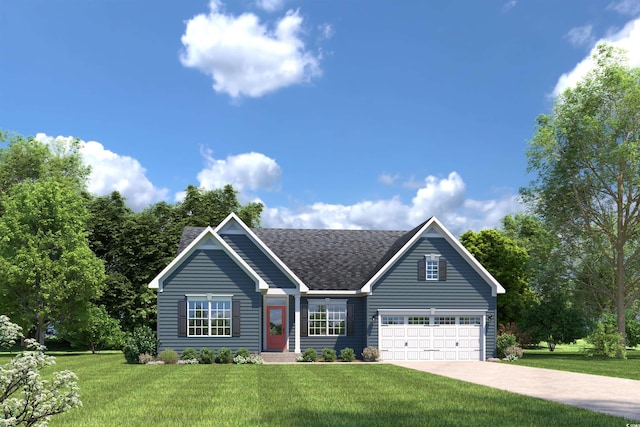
{"points": [[356, 341], [260, 263], [399, 288], [214, 272]]}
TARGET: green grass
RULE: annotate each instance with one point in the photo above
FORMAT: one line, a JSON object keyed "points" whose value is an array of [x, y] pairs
{"points": [[114, 393], [572, 358]]}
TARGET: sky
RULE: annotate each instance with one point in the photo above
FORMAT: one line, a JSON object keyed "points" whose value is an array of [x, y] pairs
{"points": [[353, 114]]}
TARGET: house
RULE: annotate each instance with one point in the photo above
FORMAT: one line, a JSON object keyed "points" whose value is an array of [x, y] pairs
{"points": [[415, 295]]}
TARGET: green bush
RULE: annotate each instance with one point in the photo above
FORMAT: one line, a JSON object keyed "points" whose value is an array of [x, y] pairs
{"points": [[606, 341], [189, 353], [370, 354], [168, 356], [207, 356], [143, 340], [347, 354], [328, 355], [513, 353], [309, 355], [243, 352], [505, 341], [252, 359], [224, 355]]}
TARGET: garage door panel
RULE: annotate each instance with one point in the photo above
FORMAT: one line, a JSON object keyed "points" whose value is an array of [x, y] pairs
{"points": [[408, 338]]}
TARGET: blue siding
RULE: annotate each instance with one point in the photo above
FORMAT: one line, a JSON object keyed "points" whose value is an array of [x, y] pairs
{"points": [[399, 288], [260, 263], [356, 341], [210, 271]]}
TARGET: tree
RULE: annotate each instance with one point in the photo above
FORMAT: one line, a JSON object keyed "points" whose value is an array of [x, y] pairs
{"points": [[586, 155], [27, 159], [25, 397], [506, 261], [100, 331], [47, 271]]}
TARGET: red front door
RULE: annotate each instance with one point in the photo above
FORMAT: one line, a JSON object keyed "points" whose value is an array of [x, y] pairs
{"points": [[276, 321]]}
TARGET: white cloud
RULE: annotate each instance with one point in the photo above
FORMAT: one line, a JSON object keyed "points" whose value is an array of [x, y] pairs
{"points": [[388, 179], [326, 30], [625, 7], [247, 171], [509, 5], [114, 172], [580, 36], [627, 38], [443, 197], [243, 56], [270, 5]]}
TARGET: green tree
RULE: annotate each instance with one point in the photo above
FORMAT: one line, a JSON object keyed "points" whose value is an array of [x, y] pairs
{"points": [[47, 271], [507, 262], [27, 159], [100, 331], [586, 159]]}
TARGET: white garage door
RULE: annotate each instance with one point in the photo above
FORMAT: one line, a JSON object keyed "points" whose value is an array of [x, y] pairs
{"points": [[430, 337]]}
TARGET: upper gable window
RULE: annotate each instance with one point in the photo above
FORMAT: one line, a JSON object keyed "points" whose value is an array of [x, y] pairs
{"points": [[432, 268]]}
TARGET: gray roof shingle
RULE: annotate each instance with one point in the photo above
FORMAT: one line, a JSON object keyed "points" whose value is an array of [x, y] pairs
{"points": [[327, 259]]}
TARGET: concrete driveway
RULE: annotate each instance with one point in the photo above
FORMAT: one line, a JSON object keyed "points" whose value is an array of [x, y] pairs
{"points": [[614, 396]]}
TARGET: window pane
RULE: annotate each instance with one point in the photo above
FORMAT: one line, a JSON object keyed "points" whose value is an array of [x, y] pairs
{"points": [[198, 318], [432, 269], [317, 320], [336, 319]]}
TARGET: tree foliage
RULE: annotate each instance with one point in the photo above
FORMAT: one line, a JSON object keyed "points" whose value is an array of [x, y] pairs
{"points": [[99, 332], [47, 271], [26, 398], [586, 159], [507, 262]]}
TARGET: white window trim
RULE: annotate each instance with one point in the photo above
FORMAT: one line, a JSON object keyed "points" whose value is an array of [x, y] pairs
{"points": [[209, 298], [432, 258], [326, 302]]}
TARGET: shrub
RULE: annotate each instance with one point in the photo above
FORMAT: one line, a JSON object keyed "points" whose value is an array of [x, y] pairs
{"points": [[347, 354], [145, 358], [252, 359], [243, 352], [370, 354], [224, 355], [143, 340], [168, 356], [606, 342], [207, 356], [503, 342], [309, 355], [189, 353], [188, 362], [513, 353], [328, 355]]}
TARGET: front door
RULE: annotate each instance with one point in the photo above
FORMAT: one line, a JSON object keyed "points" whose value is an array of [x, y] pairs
{"points": [[276, 321]]}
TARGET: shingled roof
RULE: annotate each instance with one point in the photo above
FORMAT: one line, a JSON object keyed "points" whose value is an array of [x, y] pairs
{"points": [[327, 259]]}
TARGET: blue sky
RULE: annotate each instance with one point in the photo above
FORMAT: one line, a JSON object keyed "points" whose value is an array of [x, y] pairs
{"points": [[334, 114]]}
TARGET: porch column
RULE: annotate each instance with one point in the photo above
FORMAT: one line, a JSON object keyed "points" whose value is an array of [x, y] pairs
{"points": [[296, 318]]}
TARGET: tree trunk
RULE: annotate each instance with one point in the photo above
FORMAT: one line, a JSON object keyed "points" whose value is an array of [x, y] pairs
{"points": [[40, 331]]}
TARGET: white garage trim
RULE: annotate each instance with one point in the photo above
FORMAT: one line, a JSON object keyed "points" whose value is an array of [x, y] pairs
{"points": [[424, 335]]}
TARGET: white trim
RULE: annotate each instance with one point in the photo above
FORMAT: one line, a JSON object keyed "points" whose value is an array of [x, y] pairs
{"points": [[233, 217], [430, 226], [336, 293], [157, 282], [208, 296], [297, 323], [326, 301], [430, 312], [281, 292]]}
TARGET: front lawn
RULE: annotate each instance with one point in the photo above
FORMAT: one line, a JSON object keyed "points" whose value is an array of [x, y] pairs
{"points": [[567, 358], [370, 394]]}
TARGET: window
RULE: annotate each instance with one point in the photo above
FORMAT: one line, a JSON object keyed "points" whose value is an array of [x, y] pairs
{"points": [[327, 319], [444, 320], [469, 320], [418, 320], [210, 317], [432, 268], [392, 320]]}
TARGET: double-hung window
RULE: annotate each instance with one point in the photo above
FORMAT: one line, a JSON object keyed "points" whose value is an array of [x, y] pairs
{"points": [[209, 316], [432, 267], [327, 318]]}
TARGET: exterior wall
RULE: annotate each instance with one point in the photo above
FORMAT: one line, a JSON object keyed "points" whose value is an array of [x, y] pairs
{"points": [[399, 289], [260, 263], [214, 272], [355, 341]]}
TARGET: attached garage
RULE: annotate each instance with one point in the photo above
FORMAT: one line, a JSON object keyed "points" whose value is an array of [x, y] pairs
{"points": [[423, 337]]}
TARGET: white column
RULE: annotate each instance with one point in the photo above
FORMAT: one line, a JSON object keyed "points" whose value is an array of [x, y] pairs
{"points": [[296, 318]]}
